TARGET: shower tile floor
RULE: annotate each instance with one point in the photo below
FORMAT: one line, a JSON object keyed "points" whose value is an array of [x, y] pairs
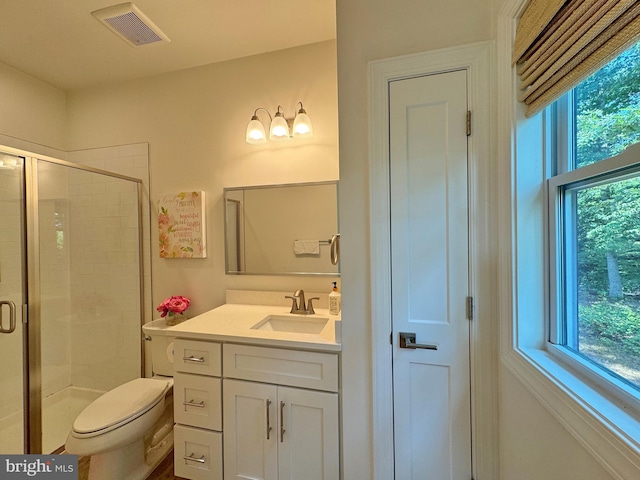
{"points": [[59, 412]]}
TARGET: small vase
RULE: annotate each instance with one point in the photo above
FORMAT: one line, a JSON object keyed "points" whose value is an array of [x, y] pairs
{"points": [[175, 319]]}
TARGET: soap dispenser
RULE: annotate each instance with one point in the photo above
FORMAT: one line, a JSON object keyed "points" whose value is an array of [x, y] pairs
{"points": [[335, 300]]}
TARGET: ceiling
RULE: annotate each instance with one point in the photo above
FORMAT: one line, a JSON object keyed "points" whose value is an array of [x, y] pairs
{"points": [[62, 44]]}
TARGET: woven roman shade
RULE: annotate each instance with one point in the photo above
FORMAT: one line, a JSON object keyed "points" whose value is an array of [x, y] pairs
{"points": [[559, 43]]}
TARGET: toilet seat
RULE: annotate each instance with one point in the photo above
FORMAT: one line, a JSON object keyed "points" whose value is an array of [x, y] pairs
{"points": [[120, 406]]}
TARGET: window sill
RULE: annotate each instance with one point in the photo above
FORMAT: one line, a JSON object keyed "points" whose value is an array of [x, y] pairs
{"points": [[604, 428]]}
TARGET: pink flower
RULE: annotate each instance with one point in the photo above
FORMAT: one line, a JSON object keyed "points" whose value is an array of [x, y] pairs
{"points": [[172, 305], [163, 219]]}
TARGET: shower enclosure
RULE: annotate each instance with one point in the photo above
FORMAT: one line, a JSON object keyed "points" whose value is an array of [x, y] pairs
{"points": [[70, 294]]}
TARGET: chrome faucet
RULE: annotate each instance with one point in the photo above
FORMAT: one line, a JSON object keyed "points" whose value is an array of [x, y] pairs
{"points": [[299, 305]]}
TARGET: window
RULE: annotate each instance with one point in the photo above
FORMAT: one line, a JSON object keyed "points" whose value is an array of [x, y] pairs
{"points": [[594, 223]]}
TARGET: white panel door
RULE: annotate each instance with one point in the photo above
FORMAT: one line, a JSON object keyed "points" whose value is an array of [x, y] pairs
{"points": [[430, 280]]}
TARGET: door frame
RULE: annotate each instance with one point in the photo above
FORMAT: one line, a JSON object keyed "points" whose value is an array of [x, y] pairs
{"points": [[477, 60]]}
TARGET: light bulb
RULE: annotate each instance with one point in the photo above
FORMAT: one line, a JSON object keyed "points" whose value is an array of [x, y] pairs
{"points": [[255, 132], [302, 127], [279, 128]]}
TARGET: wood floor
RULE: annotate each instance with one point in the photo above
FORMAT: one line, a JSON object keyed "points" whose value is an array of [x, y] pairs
{"points": [[164, 471]]}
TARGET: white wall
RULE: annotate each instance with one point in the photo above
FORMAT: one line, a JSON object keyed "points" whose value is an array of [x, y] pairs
{"points": [[32, 111], [195, 121], [534, 444]]}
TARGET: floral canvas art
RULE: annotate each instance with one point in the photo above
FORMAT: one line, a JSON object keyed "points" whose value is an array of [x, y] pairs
{"points": [[181, 225]]}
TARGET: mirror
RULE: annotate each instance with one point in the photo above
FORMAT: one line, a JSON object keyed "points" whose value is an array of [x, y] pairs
{"points": [[282, 229]]}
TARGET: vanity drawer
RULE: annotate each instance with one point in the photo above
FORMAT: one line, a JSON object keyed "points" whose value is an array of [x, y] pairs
{"points": [[193, 356], [318, 371], [197, 453], [197, 400]]}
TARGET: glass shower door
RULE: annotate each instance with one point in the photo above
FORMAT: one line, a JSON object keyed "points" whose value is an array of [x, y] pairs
{"points": [[12, 297], [89, 282]]}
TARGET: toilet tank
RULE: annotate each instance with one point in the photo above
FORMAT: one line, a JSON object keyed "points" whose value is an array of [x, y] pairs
{"points": [[160, 342]]}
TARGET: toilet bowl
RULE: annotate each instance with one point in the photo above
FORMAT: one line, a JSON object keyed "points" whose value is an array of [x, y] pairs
{"points": [[128, 431]]}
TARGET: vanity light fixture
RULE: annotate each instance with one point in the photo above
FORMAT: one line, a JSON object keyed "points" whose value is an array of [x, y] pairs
{"points": [[281, 128]]}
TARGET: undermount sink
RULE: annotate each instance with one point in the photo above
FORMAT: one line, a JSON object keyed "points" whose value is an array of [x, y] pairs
{"points": [[284, 323]]}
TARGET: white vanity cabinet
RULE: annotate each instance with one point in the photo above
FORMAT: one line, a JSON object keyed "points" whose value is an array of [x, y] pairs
{"points": [[276, 430], [254, 412], [197, 410]]}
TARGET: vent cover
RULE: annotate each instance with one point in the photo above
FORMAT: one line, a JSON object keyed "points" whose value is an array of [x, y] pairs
{"points": [[129, 23]]}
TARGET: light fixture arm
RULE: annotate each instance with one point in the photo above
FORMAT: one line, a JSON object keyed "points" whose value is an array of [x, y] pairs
{"points": [[255, 114]]}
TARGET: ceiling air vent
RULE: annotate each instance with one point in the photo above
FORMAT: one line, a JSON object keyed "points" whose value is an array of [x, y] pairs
{"points": [[129, 23]]}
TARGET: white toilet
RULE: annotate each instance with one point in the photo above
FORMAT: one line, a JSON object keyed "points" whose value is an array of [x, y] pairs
{"points": [[128, 431]]}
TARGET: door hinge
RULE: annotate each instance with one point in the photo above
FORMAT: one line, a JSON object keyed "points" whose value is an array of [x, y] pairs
{"points": [[468, 123], [470, 308]]}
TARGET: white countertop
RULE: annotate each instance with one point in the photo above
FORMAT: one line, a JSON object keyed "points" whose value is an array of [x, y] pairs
{"points": [[233, 322]]}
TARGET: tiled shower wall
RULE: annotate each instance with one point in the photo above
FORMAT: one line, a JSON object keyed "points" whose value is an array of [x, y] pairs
{"points": [[106, 334], [55, 282]]}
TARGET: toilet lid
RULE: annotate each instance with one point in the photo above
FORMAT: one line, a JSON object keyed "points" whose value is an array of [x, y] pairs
{"points": [[120, 405]]}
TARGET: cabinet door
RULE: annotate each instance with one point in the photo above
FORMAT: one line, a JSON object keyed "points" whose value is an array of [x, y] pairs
{"points": [[250, 430], [308, 447]]}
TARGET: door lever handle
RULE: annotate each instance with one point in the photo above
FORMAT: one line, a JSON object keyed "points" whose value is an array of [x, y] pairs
{"points": [[408, 340], [12, 316]]}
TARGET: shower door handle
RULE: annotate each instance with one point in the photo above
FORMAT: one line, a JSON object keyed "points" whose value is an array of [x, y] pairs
{"points": [[12, 316]]}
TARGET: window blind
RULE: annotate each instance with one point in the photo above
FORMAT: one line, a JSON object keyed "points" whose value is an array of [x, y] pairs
{"points": [[559, 43]]}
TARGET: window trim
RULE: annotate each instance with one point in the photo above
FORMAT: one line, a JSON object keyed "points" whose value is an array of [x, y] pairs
{"points": [[621, 393], [604, 428], [622, 166]]}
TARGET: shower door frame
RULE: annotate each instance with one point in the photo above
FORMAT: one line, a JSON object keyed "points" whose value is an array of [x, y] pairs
{"points": [[31, 310]]}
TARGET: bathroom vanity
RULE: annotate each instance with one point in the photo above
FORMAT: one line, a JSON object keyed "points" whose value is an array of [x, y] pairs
{"points": [[256, 394]]}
